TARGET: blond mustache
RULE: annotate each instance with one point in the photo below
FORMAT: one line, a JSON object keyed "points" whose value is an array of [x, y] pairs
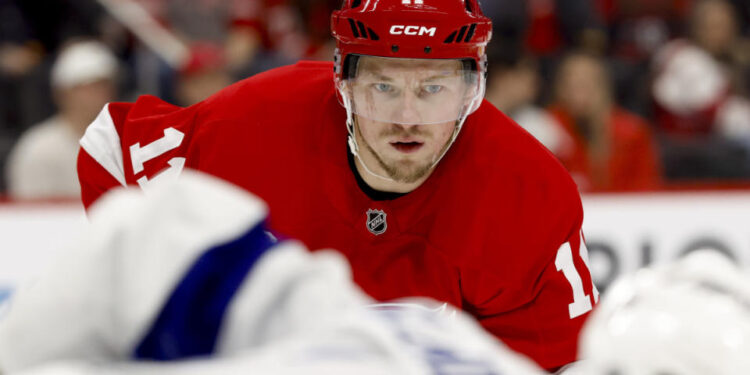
{"points": [[397, 130]]}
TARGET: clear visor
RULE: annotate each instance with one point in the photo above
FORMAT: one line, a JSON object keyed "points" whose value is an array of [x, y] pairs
{"points": [[412, 91]]}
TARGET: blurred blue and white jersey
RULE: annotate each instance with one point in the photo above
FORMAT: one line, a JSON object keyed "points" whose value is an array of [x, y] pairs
{"points": [[186, 280]]}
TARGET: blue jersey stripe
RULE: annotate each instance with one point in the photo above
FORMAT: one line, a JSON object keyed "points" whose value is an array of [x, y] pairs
{"points": [[4, 294], [189, 323]]}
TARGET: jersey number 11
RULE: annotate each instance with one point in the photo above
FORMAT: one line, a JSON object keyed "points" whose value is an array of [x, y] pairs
{"points": [[564, 262]]}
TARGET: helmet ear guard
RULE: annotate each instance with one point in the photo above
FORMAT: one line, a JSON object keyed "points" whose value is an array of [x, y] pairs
{"points": [[349, 66]]}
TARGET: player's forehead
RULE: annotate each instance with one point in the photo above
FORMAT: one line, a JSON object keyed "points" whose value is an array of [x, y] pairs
{"points": [[394, 67]]}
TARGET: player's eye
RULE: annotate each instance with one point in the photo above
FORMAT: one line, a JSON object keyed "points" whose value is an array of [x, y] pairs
{"points": [[432, 89], [383, 87]]}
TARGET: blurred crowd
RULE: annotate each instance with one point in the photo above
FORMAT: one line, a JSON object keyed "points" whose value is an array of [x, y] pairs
{"points": [[630, 95]]}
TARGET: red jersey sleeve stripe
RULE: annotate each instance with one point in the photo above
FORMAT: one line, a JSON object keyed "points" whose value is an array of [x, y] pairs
{"points": [[95, 181]]}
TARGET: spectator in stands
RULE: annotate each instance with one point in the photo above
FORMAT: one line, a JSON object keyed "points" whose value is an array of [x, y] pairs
{"points": [[31, 34], [49, 24], [204, 74], [715, 28], [513, 87], [283, 30], [19, 55], [636, 29], [316, 17], [699, 96], [43, 162], [546, 28], [614, 150], [18, 50], [691, 83], [254, 35]]}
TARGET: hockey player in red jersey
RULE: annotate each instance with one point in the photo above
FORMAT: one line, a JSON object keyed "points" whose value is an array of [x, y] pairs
{"points": [[391, 156]]}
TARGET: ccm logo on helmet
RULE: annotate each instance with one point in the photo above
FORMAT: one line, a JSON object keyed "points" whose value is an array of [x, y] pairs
{"points": [[413, 30]]}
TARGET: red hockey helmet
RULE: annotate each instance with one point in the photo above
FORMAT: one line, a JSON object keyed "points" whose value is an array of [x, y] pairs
{"points": [[417, 29]]}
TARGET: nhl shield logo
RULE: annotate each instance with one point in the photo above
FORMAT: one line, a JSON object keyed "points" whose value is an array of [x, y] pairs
{"points": [[376, 223]]}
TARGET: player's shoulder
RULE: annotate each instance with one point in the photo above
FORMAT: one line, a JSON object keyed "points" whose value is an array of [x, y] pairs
{"points": [[509, 158], [509, 179], [514, 195], [144, 120]]}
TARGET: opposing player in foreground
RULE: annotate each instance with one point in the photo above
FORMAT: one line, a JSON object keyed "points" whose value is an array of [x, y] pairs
{"points": [[391, 156], [687, 318], [189, 277]]}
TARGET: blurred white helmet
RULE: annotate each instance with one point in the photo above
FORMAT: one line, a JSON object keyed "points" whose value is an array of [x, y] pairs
{"points": [[688, 79], [688, 318], [83, 62]]}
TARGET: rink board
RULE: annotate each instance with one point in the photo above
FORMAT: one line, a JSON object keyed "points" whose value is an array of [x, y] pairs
{"points": [[623, 232]]}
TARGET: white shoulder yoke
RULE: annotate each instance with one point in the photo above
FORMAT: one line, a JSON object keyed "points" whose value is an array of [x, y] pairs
{"points": [[102, 142]]}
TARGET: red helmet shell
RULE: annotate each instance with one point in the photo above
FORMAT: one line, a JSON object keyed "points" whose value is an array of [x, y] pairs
{"points": [[424, 29]]}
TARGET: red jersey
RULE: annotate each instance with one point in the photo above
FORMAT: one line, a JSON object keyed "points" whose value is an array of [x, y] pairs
{"points": [[495, 230]]}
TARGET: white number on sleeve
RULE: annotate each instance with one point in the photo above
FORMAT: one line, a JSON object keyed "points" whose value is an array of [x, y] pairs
{"points": [[139, 155], [564, 262]]}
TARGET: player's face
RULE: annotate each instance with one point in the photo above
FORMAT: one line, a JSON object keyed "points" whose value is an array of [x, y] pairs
{"points": [[407, 112], [405, 153]]}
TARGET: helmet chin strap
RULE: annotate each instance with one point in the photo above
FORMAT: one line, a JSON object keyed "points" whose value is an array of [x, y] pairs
{"points": [[354, 147], [352, 140], [456, 130]]}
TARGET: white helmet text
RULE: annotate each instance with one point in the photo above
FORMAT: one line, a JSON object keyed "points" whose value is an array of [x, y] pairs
{"points": [[413, 30]]}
